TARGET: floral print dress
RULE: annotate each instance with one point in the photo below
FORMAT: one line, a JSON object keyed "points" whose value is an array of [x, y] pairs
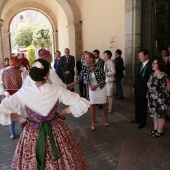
{"points": [[158, 97], [70, 154]]}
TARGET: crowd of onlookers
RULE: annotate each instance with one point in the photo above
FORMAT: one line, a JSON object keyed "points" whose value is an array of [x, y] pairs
{"points": [[100, 81], [151, 91], [97, 78], [32, 95]]}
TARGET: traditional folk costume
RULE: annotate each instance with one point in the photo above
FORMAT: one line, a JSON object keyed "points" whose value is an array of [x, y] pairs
{"points": [[46, 142], [53, 78], [25, 63], [11, 82], [4, 66]]}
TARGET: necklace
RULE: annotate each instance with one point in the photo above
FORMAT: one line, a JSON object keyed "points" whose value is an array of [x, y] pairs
{"points": [[154, 75]]}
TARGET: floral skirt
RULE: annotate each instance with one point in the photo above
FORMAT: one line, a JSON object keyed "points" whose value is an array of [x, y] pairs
{"points": [[71, 156]]}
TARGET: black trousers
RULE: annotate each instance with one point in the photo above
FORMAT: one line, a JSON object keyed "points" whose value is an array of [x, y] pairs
{"points": [[82, 88], [119, 91], [141, 105], [69, 79]]}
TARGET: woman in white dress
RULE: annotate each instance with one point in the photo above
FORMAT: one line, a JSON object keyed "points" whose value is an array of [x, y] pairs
{"points": [[110, 71], [94, 78], [46, 142]]}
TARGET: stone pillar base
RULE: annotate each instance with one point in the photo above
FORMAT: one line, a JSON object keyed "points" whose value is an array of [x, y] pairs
{"points": [[127, 85]]}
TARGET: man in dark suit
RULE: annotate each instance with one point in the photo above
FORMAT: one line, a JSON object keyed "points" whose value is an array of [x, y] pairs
{"points": [[79, 65], [57, 65], [140, 88], [119, 65], [98, 60], [67, 63], [165, 57]]}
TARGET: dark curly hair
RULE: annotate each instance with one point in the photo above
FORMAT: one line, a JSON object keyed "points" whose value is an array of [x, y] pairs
{"points": [[109, 53], [38, 74], [161, 64]]}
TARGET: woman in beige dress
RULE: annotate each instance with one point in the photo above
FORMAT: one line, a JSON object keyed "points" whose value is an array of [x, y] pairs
{"points": [[110, 72]]}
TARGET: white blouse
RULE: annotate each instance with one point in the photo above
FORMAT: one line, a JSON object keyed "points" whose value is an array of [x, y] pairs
{"points": [[110, 71], [53, 77], [41, 99]]}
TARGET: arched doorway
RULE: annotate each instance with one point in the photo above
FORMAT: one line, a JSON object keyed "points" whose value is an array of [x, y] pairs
{"points": [[30, 18], [70, 9]]}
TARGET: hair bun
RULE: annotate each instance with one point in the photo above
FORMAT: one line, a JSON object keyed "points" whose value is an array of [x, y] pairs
{"points": [[39, 70]]}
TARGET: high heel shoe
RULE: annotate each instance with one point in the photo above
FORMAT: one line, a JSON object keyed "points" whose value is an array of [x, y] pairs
{"points": [[157, 134], [93, 128], [106, 124], [110, 111], [152, 132]]}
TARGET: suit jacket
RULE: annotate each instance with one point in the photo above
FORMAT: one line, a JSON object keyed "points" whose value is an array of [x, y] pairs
{"points": [[67, 66], [141, 79], [101, 62], [58, 68], [98, 72], [79, 66], [119, 65]]}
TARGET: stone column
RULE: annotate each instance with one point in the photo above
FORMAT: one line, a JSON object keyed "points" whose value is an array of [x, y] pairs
{"points": [[55, 40], [132, 42], [1, 51], [1, 47], [75, 39], [78, 42], [6, 44], [71, 39]]}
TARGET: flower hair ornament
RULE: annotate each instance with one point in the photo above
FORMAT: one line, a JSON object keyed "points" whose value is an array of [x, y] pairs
{"points": [[38, 65]]}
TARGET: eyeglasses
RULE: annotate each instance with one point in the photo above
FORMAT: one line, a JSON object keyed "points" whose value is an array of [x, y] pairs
{"points": [[154, 63]]}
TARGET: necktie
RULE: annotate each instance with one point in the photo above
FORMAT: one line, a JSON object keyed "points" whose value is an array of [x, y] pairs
{"points": [[67, 57], [141, 68], [58, 60]]}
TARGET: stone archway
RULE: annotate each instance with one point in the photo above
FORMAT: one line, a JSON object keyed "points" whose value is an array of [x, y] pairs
{"points": [[72, 13], [18, 8]]}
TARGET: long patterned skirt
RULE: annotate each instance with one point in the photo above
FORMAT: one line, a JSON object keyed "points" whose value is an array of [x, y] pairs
{"points": [[71, 156]]}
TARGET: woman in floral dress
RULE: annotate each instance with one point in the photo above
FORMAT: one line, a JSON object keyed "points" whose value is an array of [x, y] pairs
{"points": [[46, 142], [158, 97]]}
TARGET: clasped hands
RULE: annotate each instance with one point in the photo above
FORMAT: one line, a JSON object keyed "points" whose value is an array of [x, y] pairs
{"points": [[67, 72]]}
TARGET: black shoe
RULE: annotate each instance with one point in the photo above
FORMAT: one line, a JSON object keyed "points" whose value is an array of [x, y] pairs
{"points": [[99, 106], [141, 126], [134, 121], [157, 134], [152, 132]]}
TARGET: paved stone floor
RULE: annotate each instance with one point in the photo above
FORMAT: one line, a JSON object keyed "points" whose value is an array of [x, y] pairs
{"points": [[103, 147]]}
